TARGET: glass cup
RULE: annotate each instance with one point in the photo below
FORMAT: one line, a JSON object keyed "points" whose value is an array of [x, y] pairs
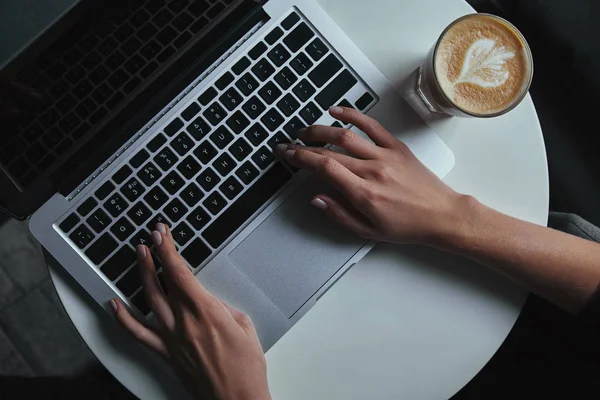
{"points": [[425, 93]]}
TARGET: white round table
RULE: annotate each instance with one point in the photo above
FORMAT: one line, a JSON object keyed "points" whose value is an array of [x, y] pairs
{"points": [[406, 322]]}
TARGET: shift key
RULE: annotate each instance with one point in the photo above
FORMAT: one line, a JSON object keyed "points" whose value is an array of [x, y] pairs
{"points": [[336, 89]]}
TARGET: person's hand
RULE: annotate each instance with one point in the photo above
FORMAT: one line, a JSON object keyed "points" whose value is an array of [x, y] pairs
{"points": [[384, 192], [15, 98], [212, 347]]}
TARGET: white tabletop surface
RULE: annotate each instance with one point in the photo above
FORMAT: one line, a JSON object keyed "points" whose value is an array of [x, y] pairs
{"points": [[406, 322]]}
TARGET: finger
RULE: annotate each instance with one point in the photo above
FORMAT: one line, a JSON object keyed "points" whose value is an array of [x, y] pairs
{"points": [[351, 163], [140, 332], [155, 297], [178, 276], [327, 168], [341, 137], [344, 215], [378, 134]]}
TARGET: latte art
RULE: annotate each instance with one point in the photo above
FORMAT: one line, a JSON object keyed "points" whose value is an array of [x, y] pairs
{"points": [[482, 66]]}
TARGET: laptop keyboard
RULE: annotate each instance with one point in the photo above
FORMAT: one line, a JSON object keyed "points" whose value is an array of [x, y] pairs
{"points": [[86, 79], [212, 167]]}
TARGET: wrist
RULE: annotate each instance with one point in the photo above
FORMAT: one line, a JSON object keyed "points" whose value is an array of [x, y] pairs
{"points": [[463, 219]]}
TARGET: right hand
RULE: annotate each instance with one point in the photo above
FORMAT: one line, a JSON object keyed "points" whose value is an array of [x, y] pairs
{"points": [[386, 193]]}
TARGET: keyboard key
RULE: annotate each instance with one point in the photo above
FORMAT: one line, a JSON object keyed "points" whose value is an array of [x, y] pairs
{"points": [[290, 21], [301, 64], [101, 248], [199, 24], [278, 55], [166, 54], [247, 84], [263, 70], [224, 164], [130, 282], [336, 124], [166, 36], [221, 137], [215, 113], [196, 253], [198, 7], [172, 182], [257, 50], [288, 105], [118, 263], [274, 35], [231, 98], [338, 87], [148, 69], [345, 103], [304, 90], [182, 143], [189, 167], [139, 158], [198, 128], [325, 70], [87, 206], [310, 113], [240, 149], [247, 172], [253, 107], [99, 220], [145, 33], [156, 198], [208, 95], [175, 210], [122, 174], [231, 188], [132, 189], [364, 101], [241, 65], [104, 190], [224, 80], [198, 218], [156, 142], [122, 229], [69, 223], [269, 93], [139, 301], [166, 159], [205, 152], [182, 233], [256, 134], [192, 194], [141, 237], [238, 122], [285, 78], [272, 120], [215, 10], [317, 49], [208, 179], [214, 203], [278, 138], [263, 157], [157, 219], [243, 208], [293, 126], [149, 174], [115, 205], [174, 127], [297, 38], [190, 112], [139, 213], [81, 236]]}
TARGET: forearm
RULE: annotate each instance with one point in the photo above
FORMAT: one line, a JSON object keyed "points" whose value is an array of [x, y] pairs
{"points": [[557, 266]]}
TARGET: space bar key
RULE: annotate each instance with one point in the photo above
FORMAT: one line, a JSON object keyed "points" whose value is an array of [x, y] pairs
{"points": [[245, 206]]}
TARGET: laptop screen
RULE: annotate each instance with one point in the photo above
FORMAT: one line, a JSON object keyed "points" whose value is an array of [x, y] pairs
{"points": [[76, 73]]}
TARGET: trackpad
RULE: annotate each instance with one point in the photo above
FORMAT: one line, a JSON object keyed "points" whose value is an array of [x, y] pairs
{"points": [[295, 251]]}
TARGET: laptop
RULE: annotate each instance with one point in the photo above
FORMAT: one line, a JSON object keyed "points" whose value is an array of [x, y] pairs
{"points": [[168, 111]]}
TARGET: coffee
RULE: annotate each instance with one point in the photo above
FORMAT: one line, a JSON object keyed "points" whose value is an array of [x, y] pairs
{"points": [[483, 65]]}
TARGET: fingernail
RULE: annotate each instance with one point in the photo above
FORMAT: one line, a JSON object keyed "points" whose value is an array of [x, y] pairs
{"points": [[162, 228], [336, 110], [141, 250], [156, 238], [289, 153], [317, 202], [280, 148], [301, 132], [113, 305]]}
